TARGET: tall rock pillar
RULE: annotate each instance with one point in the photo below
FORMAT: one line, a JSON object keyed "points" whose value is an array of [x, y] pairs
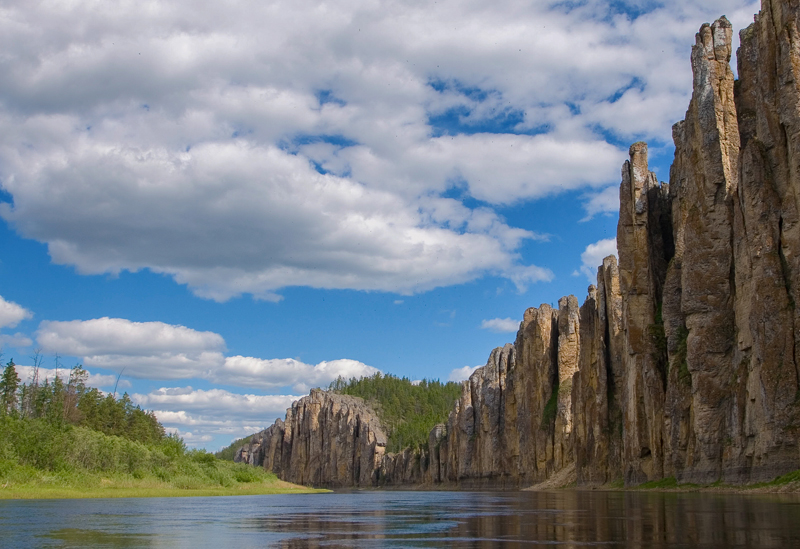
{"points": [[703, 181], [596, 405], [767, 247], [568, 355], [535, 383], [643, 242]]}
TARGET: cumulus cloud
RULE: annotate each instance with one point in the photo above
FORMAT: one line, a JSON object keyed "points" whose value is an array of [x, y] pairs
{"points": [[152, 350], [602, 202], [12, 314], [247, 371], [190, 438], [155, 350], [249, 147], [215, 412], [500, 325], [593, 257], [216, 402], [17, 340], [93, 380], [460, 374]]}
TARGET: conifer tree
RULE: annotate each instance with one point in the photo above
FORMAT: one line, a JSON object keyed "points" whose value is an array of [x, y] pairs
{"points": [[9, 384]]}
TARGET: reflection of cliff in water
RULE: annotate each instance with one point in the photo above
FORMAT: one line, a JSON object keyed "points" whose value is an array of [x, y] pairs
{"points": [[562, 519]]}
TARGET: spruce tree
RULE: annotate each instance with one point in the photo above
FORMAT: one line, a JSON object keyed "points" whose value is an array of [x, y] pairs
{"points": [[9, 384]]}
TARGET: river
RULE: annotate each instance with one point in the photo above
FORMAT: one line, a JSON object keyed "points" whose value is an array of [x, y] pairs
{"points": [[371, 519]]}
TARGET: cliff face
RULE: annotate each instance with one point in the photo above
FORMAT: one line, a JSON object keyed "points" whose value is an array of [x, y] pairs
{"points": [[326, 440], [766, 224], [683, 361]]}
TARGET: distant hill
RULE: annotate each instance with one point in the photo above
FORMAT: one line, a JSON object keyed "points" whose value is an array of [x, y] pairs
{"points": [[407, 410]]}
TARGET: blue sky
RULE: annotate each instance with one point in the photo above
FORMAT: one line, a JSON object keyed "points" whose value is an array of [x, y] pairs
{"points": [[231, 204]]}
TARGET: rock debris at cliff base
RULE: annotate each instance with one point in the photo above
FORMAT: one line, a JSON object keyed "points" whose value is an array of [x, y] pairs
{"points": [[684, 359]]}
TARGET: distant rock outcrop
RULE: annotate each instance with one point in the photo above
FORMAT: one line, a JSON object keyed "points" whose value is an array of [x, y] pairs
{"points": [[326, 440], [684, 360]]}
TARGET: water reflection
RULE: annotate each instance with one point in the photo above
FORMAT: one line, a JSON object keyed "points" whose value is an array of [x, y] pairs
{"points": [[561, 519], [410, 519], [76, 537]]}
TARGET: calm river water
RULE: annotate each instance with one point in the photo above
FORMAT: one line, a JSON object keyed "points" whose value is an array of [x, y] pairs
{"points": [[409, 519]]}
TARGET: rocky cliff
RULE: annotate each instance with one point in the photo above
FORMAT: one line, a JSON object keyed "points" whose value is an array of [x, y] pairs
{"points": [[683, 361], [326, 440]]}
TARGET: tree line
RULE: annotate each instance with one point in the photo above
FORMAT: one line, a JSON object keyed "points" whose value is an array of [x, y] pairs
{"points": [[407, 410], [74, 403]]}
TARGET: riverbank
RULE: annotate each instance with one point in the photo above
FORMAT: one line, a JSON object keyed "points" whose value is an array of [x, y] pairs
{"points": [[44, 458], [87, 485], [785, 484], [566, 480]]}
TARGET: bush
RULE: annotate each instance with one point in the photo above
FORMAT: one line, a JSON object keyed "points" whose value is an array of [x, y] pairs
{"points": [[550, 409]]}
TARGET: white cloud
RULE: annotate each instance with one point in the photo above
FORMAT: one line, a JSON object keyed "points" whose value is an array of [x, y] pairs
{"points": [[155, 350], [460, 374], [93, 380], [12, 314], [500, 325], [593, 257], [152, 350], [284, 224], [206, 414], [602, 202], [18, 340], [269, 374], [214, 402], [189, 137], [190, 438]]}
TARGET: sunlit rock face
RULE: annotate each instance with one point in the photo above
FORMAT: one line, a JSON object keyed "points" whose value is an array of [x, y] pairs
{"points": [[327, 439], [684, 359], [598, 384]]}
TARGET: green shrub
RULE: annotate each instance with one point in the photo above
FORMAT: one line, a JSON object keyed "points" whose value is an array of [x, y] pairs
{"points": [[201, 456], [680, 357], [550, 409], [244, 473]]}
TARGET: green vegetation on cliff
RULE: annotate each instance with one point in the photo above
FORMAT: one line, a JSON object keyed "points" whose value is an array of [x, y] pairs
{"points": [[407, 411], [229, 452]]}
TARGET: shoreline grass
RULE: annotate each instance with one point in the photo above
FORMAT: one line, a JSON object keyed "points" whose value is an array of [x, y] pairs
{"points": [[788, 484], [41, 460], [46, 485]]}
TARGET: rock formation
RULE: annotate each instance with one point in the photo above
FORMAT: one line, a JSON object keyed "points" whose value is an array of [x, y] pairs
{"points": [[684, 360], [326, 440]]}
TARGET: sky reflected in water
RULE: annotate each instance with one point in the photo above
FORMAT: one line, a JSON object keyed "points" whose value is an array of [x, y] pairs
{"points": [[372, 519]]}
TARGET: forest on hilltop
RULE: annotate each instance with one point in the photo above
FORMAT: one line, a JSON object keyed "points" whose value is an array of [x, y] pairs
{"points": [[407, 410]]}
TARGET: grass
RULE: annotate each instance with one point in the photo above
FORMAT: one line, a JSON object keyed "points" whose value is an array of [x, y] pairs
{"points": [[789, 478], [25, 482], [669, 483]]}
